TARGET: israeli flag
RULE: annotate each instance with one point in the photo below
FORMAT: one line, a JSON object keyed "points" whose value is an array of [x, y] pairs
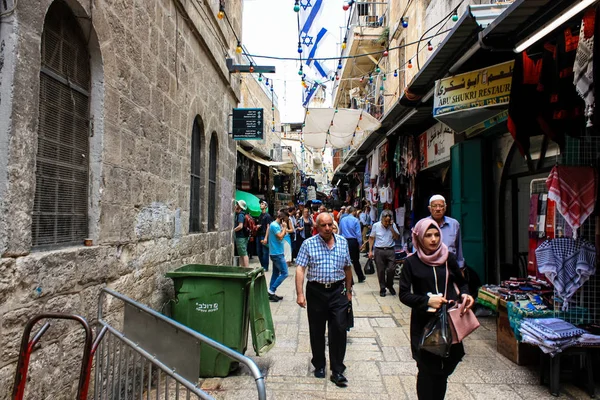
{"points": [[313, 35], [308, 94]]}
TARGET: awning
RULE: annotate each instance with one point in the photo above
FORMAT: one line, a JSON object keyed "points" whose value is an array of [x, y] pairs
{"points": [[284, 166], [337, 128]]}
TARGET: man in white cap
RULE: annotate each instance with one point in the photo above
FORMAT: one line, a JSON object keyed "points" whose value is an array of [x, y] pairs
{"points": [[449, 226], [241, 240]]}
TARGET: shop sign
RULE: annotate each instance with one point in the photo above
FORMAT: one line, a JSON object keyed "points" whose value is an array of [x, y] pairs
{"points": [[434, 145], [485, 87], [248, 123], [487, 124]]}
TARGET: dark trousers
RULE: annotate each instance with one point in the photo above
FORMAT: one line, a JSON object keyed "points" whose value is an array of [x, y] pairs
{"points": [[432, 379], [385, 261], [354, 251], [262, 252], [327, 306]]}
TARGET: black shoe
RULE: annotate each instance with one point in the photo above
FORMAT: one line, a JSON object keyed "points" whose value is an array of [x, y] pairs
{"points": [[382, 292], [392, 291], [320, 373], [339, 379], [273, 298], [278, 297], [362, 280]]}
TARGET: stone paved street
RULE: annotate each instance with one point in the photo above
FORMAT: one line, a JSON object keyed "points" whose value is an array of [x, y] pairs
{"points": [[378, 360]]}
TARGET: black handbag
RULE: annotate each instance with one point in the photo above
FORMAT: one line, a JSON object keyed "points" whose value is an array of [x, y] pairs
{"points": [[437, 336], [369, 267]]}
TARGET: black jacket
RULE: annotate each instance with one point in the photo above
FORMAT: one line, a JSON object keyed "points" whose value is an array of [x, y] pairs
{"points": [[421, 279]]}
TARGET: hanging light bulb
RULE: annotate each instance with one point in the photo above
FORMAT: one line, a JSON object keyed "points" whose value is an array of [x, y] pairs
{"points": [[220, 14], [409, 64], [381, 88], [429, 46], [346, 6], [267, 82], [339, 64], [404, 22], [395, 73], [385, 53], [337, 77], [260, 77], [299, 48], [384, 77], [455, 16], [377, 70], [362, 78], [360, 118], [296, 6], [251, 69], [239, 49], [344, 44], [336, 110], [300, 72], [370, 78]]}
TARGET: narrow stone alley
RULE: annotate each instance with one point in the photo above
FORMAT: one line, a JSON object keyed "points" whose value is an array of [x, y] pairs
{"points": [[378, 359]]}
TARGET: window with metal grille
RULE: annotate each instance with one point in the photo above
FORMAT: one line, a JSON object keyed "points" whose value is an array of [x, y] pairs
{"points": [[212, 182], [60, 210], [195, 175]]}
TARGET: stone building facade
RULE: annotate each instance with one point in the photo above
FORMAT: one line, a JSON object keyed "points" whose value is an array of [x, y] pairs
{"points": [[148, 181]]}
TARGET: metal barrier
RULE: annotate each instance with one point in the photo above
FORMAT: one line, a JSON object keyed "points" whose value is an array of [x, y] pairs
{"points": [[153, 355]]}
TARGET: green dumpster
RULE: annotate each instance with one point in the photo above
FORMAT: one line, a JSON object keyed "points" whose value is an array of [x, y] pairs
{"points": [[220, 302]]}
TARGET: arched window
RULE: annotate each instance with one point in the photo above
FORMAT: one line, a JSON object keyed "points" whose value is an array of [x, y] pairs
{"points": [[60, 213], [212, 182], [196, 176]]}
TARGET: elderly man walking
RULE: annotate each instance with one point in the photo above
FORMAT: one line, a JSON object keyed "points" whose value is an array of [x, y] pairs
{"points": [[381, 243], [449, 226], [325, 261]]}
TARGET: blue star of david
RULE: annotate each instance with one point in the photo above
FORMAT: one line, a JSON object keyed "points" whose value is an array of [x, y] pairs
{"points": [[305, 6], [307, 40]]}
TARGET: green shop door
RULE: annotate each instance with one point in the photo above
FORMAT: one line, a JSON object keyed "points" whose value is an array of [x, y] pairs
{"points": [[467, 201]]}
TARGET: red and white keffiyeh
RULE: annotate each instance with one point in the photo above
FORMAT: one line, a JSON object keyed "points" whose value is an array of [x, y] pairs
{"points": [[574, 191]]}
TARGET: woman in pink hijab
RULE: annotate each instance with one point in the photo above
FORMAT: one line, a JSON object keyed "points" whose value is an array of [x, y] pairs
{"points": [[422, 285]]}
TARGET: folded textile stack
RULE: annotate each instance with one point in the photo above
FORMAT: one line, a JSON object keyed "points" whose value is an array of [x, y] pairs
{"points": [[588, 340], [551, 335]]}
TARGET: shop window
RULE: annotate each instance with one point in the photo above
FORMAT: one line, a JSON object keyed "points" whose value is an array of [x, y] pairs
{"points": [[60, 211], [212, 182], [196, 176]]}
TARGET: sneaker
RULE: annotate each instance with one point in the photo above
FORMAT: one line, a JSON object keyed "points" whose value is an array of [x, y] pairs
{"points": [[278, 297], [273, 298]]}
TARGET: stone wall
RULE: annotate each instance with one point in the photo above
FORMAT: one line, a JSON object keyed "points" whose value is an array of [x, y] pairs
{"points": [[156, 65]]}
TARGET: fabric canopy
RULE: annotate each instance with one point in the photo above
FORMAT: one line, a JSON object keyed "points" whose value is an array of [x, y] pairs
{"points": [[318, 123], [252, 202], [285, 166]]}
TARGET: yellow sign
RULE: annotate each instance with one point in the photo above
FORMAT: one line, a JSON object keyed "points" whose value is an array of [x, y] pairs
{"points": [[481, 88]]}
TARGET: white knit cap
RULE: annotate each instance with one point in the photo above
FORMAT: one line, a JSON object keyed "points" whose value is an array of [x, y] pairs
{"points": [[437, 197]]}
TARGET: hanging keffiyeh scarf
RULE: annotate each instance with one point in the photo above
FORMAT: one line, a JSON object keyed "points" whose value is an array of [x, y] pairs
{"points": [[583, 68]]}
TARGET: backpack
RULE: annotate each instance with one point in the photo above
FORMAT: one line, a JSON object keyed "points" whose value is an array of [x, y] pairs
{"points": [[249, 226]]}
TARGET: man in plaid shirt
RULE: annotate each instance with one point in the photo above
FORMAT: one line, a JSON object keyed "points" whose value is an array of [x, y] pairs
{"points": [[325, 261]]}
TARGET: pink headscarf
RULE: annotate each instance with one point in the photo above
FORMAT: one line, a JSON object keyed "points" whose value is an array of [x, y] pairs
{"points": [[440, 255]]}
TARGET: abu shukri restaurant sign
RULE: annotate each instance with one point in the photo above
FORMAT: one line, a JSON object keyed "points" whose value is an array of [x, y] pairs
{"points": [[248, 123], [470, 99]]}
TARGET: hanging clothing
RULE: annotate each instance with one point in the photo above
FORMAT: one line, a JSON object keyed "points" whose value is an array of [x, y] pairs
{"points": [[584, 64], [375, 164], [574, 191], [567, 263]]}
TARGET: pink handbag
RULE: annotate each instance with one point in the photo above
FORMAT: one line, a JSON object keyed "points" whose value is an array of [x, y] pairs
{"points": [[461, 326]]}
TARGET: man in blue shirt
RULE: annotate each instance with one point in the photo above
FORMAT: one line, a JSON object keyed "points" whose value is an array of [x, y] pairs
{"points": [[325, 260], [277, 231], [350, 229], [449, 226]]}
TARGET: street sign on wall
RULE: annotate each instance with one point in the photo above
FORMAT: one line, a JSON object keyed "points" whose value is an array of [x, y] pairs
{"points": [[248, 123], [434, 145]]}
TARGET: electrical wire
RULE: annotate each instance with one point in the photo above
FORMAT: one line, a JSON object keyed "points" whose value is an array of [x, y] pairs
{"points": [[443, 20], [349, 57]]}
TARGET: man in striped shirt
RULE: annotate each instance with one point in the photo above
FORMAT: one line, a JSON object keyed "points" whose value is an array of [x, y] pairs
{"points": [[325, 261]]}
